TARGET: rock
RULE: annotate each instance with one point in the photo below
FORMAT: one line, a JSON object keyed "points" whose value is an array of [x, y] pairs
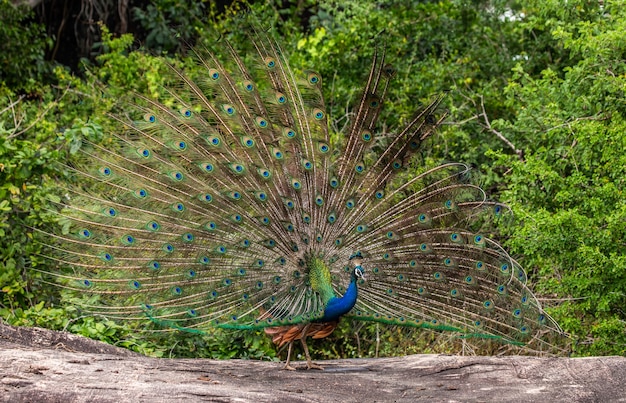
{"points": [[39, 365]]}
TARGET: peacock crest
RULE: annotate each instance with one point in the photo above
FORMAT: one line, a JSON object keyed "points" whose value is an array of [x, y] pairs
{"points": [[226, 204]]}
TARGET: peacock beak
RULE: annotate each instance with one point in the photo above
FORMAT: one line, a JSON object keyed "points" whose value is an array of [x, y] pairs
{"points": [[358, 271]]}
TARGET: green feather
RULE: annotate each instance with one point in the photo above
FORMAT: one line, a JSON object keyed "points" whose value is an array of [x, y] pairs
{"points": [[320, 278]]}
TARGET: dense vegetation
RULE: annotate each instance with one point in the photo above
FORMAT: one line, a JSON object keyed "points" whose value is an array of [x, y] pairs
{"points": [[536, 103]]}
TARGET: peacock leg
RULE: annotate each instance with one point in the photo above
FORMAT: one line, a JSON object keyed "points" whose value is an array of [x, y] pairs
{"points": [[309, 364], [287, 366]]}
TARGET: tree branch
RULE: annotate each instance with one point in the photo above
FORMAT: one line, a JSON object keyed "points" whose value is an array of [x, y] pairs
{"points": [[487, 125]]}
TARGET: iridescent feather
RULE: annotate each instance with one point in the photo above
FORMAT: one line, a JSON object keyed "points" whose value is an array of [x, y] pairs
{"points": [[225, 205]]}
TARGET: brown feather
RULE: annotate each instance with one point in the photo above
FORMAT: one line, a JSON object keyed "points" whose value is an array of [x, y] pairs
{"points": [[282, 335]]}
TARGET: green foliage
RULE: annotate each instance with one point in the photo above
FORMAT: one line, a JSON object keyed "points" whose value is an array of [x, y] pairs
{"points": [[36, 138], [548, 78], [568, 194], [463, 48], [22, 45], [26, 163], [169, 23]]}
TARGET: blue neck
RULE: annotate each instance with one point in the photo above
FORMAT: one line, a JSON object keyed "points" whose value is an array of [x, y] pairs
{"points": [[336, 307]]}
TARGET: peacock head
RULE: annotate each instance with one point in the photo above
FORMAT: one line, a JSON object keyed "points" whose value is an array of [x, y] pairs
{"points": [[356, 259]]}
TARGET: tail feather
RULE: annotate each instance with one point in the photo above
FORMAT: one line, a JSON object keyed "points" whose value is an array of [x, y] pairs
{"points": [[206, 209]]}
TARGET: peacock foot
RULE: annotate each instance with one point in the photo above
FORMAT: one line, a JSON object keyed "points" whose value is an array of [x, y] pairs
{"points": [[289, 367], [311, 365]]}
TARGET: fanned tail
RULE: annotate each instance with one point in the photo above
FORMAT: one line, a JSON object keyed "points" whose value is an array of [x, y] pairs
{"points": [[222, 204]]}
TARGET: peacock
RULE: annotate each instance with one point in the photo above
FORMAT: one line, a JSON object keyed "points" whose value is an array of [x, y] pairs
{"points": [[226, 203]]}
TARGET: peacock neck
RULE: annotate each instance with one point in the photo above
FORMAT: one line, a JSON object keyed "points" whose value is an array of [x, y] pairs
{"points": [[319, 276], [339, 306]]}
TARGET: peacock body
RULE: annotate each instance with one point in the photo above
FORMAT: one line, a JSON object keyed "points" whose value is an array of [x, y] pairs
{"points": [[224, 203]]}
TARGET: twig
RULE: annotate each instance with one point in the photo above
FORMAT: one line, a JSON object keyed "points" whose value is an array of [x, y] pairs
{"points": [[462, 122], [488, 126], [562, 299], [73, 91], [12, 104], [59, 31], [377, 339], [597, 116], [44, 113]]}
